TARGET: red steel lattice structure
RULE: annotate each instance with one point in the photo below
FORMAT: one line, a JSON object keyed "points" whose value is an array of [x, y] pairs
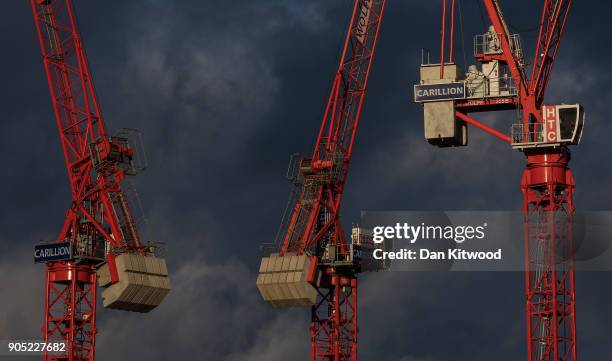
{"points": [[314, 224], [547, 186], [99, 213], [548, 201]]}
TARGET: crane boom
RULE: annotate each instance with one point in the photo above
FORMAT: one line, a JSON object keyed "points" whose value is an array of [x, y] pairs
{"points": [[99, 229], [314, 266], [552, 26], [92, 159], [315, 216]]}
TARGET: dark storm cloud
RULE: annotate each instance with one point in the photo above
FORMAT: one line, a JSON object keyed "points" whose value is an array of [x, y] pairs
{"points": [[224, 92]]}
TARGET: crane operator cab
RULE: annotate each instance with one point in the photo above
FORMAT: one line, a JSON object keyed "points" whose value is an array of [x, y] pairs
{"points": [[561, 125]]}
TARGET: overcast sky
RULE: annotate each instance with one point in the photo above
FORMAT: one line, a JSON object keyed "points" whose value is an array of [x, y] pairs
{"points": [[224, 92]]}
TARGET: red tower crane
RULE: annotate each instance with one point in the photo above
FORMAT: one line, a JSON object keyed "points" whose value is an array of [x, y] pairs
{"points": [[543, 134], [314, 265], [99, 234]]}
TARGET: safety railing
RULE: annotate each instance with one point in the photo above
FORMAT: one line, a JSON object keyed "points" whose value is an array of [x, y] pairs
{"points": [[532, 133], [486, 88], [489, 43]]}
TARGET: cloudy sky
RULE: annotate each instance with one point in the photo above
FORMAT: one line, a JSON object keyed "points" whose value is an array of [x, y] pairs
{"points": [[224, 92]]}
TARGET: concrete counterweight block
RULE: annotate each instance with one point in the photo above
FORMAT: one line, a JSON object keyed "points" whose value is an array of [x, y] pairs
{"points": [[442, 128], [143, 283], [283, 280]]}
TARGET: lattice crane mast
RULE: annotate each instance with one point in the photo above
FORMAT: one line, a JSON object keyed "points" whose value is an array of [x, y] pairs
{"points": [[314, 266], [99, 242], [543, 134]]}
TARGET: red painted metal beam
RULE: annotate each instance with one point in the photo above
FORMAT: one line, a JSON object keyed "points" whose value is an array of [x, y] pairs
{"points": [[452, 33], [443, 40], [552, 26], [483, 127], [530, 110]]}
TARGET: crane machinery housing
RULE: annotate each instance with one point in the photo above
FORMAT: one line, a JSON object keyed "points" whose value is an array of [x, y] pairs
{"points": [[99, 243], [544, 134], [315, 265]]}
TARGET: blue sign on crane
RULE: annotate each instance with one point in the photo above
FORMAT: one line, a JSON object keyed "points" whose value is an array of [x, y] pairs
{"points": [[52, 252], [438, 92]]}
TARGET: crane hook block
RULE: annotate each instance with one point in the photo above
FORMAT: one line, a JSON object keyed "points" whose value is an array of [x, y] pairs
{"points": [[143, 283], [288, 280]]}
